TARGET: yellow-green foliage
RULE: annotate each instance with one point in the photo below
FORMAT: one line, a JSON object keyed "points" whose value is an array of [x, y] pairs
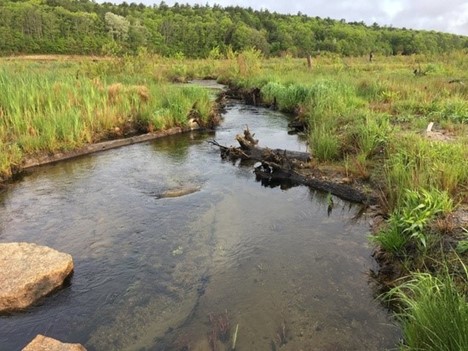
{"points": [[360, 111], [415, 163], [407, 225], [60, 106]]}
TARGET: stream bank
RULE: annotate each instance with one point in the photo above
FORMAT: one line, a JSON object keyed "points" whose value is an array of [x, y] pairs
{"points": [[333, 178], [149, 275]]}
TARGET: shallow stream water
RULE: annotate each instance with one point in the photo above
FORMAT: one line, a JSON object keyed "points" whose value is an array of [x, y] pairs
{"points": [[162, 273]]}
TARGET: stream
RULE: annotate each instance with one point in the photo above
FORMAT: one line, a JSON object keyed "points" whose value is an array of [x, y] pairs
{"points": [[157, 271]]}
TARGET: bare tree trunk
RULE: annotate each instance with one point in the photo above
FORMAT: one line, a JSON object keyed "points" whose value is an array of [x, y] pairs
{"points": [[309, 61]]}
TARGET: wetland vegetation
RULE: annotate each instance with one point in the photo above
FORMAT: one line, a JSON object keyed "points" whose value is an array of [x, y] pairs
{"points": [[365, 120], [59, 106]]}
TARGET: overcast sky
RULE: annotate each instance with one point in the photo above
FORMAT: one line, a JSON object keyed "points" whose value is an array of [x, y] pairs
{"points": [[441, 15]]}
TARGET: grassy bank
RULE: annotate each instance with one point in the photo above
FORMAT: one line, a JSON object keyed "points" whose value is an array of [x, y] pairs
{"points": [[54, 106], [368, 120]]}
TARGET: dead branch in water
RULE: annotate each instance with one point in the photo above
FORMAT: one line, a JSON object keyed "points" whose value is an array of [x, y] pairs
{"points": [[279, 165]]}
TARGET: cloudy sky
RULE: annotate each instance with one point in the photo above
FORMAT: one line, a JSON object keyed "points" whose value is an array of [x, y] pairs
{"points": [[441, 15]]}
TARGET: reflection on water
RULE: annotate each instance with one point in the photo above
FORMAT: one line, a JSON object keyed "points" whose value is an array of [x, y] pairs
{"points": [[151, 272]]}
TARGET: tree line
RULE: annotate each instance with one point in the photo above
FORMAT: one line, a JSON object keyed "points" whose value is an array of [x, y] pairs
{"points": [[86, 27]]}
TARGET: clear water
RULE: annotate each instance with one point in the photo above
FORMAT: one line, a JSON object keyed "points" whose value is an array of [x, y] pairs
{"points": [[149, 270]]}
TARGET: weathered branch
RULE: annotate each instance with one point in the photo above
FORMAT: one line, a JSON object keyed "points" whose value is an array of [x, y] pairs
{"points": [[281, 166], [249, 145]]}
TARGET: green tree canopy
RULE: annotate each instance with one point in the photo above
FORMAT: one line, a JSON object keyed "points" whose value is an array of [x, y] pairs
{"points": [[85, 27]]}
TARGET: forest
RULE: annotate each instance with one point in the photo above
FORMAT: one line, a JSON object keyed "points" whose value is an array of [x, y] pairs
{"points": [[86, 27]]}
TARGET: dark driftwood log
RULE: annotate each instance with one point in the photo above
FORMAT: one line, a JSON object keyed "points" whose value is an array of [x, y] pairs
{"points": [[279, 165], [273, 172]]}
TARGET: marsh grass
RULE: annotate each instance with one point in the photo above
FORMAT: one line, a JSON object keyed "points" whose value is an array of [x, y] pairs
{"points": [[371, 115], [434, 314], [47, 108], [370, 118], [367, 117], [324, 144], [415, 163]]}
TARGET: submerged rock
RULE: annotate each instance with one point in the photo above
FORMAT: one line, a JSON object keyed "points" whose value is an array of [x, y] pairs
{"points": [[29, 272], [177, 192], [44, 343]]}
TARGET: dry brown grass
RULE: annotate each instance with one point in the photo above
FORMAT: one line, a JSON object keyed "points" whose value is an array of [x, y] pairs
{"points": [[142, 91], [113, 92], [56, 58]]}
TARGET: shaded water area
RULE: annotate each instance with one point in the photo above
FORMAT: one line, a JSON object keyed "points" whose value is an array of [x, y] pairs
{"points": [[151, 271]]}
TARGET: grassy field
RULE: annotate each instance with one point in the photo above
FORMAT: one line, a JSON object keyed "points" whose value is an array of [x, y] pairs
{"points": [[366, 119], [370, 120], [59, 104]]}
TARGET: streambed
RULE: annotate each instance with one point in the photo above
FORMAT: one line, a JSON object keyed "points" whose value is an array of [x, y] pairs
{"points": [[150, 269]]}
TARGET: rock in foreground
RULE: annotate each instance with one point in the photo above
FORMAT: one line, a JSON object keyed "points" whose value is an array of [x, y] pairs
{"points": [[29, 272], [43, 343]]}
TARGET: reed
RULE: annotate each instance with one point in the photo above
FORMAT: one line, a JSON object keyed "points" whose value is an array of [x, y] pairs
{"points": [[50, 110], [415, 162], [434, 314]]}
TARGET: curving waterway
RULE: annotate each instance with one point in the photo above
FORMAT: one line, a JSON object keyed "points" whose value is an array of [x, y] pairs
{"points": [[162, 273]]}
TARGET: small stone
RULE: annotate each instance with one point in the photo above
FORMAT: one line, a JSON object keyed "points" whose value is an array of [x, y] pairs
{"points": [[29, 272], [44, 343]]}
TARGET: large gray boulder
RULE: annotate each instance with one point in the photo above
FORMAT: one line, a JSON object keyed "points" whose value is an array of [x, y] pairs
{"points": [[43, 343], [29, 272]]}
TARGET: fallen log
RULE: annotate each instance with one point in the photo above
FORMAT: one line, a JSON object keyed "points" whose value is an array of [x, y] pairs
{"points": [[102, 146], [249, 149], [287, 166], [274, 173]]}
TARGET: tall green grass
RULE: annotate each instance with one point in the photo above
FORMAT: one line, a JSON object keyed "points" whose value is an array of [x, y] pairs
{"points": [[415, 163], [434, 314], [371, 117], [45, 110]]}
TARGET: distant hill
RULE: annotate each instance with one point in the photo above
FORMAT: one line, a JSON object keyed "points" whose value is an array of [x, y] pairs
{"points": [[86, 27]]}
